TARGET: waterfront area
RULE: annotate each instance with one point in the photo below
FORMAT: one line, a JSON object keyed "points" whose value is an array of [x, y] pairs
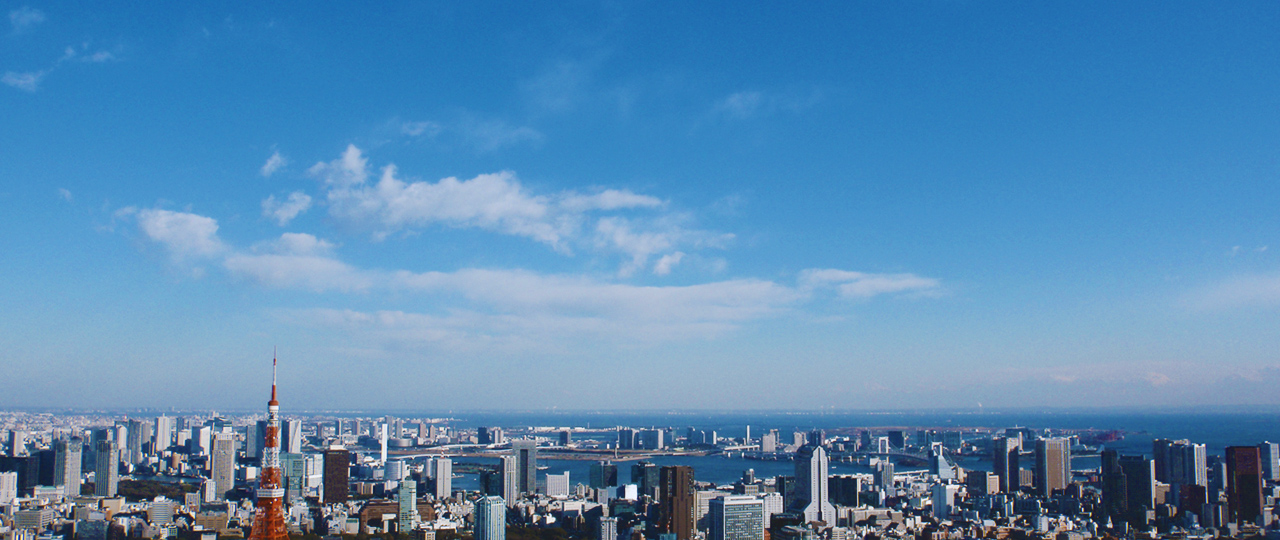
{"points": [[951, 471]]}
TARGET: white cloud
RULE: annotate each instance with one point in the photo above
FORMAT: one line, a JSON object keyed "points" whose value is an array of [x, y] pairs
{"points": [[65, 194], [609, 199], [25, 18], [29, 81], [185, 235], [299, 244], [567, 221], [349, 170], [273, 164], [494, 202], [664, 264], [864, 285], [312, 271], [284, 211]]}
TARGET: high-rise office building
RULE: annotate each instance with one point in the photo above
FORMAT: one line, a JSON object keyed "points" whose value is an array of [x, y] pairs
{"points": [[8, 487], [224, 464], [676, 511], [604, 474], [292, 436], [1114, 487], [651, 439], [898, 439], [442, 474], [67, 463], [1270, 454], [557, 485], [944, 500], [17, 443], [645, 476], [811, 486], [526, 453], [407, 500], [254, 435], [163, 434], [736, 517], [1053, 466], [1244, 484], [509, 474], [845, 490], [491, 519], [769, 441], [133, 447], [294, 467], [1187, 465], [1140, 488], [337, 461], [1005, 463], [608, 529], [566, 437], [626, 438], [107, 470]]}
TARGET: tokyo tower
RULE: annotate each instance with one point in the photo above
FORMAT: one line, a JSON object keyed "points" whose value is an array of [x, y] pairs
{"points": [[268, 516]]}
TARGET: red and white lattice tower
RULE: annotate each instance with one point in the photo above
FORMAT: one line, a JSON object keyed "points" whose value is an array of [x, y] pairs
{"points": [[268, 517]]}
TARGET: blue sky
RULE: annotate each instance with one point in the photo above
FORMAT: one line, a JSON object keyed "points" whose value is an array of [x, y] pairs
{"points": [[641, 205]]}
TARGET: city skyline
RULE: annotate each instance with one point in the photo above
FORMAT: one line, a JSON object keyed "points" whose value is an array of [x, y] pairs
{"points": [[903, 207]]}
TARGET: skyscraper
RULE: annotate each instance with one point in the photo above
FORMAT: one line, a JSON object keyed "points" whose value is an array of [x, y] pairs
{"points": [[645, 475], [337, 461], [134, 446], [509, 474], [224, 464], [292, 439], [1270, 454], [491, 519], [811, 485], [603, 474], [608, 529], [17, 443], [163, 433], [66, 464], [442, 472], [107, 471], [268, 515], [1140, 488], [1244, 483], [736, 517], [1004, 462], [676, 514], [1053, 466], [526, 453], [407, 499]]}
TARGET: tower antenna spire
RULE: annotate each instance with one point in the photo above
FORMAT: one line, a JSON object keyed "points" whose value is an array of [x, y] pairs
{"points": [[273, 374]]}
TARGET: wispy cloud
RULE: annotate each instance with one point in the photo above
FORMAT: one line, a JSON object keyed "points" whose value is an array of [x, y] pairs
{"points": [[485, 302], [471, 131], [30, 81], [284, 211], [603, 221], [25, 18], [65, 194], [864, 285], [273, 164], [754, 103]]}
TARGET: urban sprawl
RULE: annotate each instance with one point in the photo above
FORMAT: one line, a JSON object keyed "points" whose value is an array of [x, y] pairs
{"points": [[269, 476]]}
